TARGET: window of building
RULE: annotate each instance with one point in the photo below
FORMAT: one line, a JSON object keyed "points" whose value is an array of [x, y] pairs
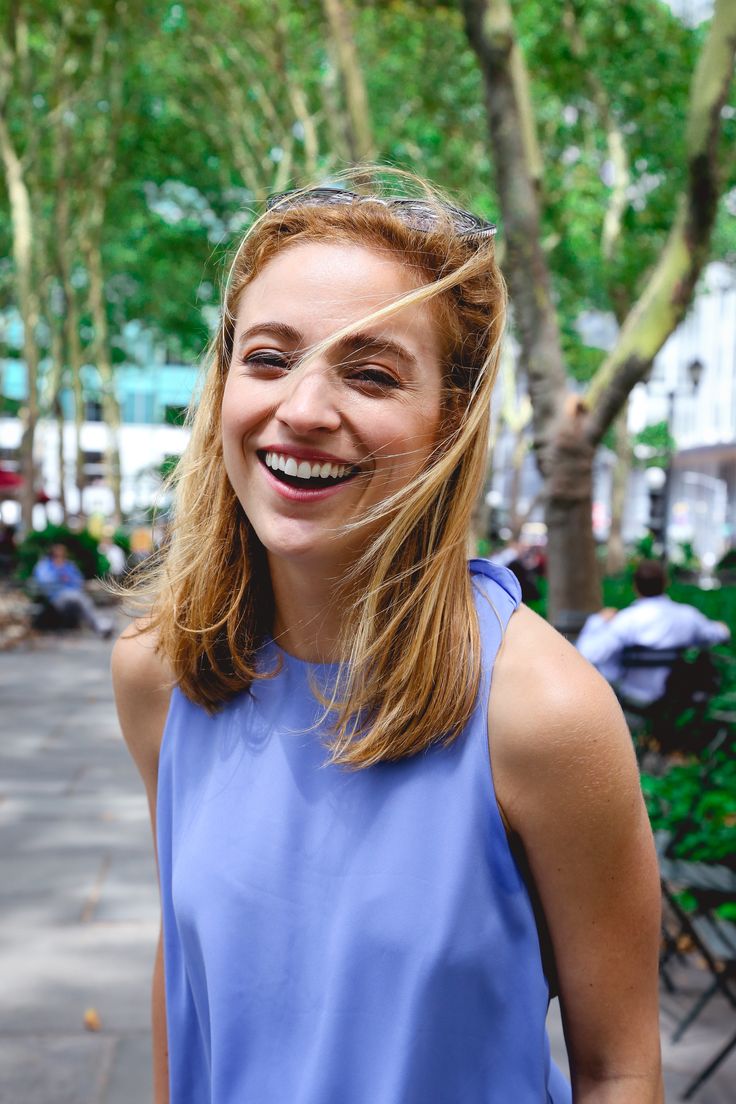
{"points": [[138, 408]]}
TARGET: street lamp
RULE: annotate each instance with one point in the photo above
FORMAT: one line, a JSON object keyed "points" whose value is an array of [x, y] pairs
{"points": [[695, 371]]}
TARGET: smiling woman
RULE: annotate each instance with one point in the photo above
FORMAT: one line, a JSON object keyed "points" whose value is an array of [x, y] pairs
{"points": [[372, 866]]}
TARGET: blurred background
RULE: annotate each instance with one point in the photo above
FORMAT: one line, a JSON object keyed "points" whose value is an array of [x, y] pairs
{"points": [[139, 140]]}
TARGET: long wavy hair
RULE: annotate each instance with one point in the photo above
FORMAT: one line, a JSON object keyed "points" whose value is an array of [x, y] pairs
{"points": [[410, 645]]}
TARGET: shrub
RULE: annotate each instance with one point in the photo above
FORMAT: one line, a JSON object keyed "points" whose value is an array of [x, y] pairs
{"points": [[82, 549]]}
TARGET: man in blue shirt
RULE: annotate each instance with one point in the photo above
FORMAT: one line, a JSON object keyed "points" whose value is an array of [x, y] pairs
{"points": [[62, 583], [652, 621]]}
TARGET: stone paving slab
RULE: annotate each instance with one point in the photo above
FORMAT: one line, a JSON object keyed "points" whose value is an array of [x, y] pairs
{"points": [[54, 974], [79, 904], [130, 1077], [62, 1069]]}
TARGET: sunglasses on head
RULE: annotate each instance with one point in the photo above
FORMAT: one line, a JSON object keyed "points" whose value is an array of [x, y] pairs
{"points": [[416, 213]]}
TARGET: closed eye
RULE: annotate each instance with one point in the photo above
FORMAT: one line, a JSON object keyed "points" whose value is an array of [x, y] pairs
{"points": [[268, 359], [375, 377]]}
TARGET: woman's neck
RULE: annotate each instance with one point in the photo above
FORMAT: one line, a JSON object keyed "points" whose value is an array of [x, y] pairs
{"points": [[309, 612]]}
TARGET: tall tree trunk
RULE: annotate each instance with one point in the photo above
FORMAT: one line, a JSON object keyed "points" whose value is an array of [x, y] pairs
{"points": [[562, 459], [574, 587], [358, 129], [616, 553], [55, 385], [22, 225], [74, 352], [518, 456], [110, 402], [65, 247]]}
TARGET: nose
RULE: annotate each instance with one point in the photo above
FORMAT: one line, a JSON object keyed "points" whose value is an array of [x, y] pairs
{"points": [[309, 403]]}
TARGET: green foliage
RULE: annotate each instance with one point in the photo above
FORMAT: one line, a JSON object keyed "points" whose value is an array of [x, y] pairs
{"points": [[82, 548], [659, 443], [644, 547], [685, 560], [168, 465], [121, 537], [209, 124], [696, 803], [9, 408], [727, 561]]}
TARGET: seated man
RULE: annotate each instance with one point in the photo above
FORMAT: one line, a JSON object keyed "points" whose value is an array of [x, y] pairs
{"points": [[652, 621], [61, 582]]}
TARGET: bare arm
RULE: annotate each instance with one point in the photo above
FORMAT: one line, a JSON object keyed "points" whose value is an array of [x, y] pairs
{"points": [[568, 785], [142, 689]]}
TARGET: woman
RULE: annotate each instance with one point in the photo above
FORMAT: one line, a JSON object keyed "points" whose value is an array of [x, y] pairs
{"points": [[355, 896]]}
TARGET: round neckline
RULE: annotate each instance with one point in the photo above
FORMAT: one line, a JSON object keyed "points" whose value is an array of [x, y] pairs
{"points": [[290, 660]]}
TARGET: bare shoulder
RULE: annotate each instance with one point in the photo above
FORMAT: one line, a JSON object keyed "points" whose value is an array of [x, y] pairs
{"points": [[142, 681], [553, 721]]}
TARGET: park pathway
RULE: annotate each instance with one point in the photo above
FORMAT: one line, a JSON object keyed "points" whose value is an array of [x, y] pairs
{"points": [[78, 902]]}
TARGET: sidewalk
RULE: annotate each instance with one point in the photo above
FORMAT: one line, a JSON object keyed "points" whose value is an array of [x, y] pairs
{"points": [[78, 900], [78, 907]]}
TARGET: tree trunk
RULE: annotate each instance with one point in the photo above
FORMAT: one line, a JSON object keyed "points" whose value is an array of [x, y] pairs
{"points": [[561, 456], [22, 226], [65, 251], [518, 456], [74, 351], [616, 553], [55, 386], [358, 127], [574, 588], [110, 402], [517, 169]]}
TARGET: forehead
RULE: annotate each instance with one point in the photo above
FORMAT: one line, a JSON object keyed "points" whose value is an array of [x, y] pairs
{"points": [[319, 288]]}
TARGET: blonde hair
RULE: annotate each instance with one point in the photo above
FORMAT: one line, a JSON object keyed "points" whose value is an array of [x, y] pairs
{"points": [[411, 648]]}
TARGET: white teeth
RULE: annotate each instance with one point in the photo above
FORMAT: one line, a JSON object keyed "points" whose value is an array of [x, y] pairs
{"points": [[303, 469]]}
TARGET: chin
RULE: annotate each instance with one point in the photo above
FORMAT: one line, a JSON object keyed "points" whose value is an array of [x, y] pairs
{"points": [[301, 548]]}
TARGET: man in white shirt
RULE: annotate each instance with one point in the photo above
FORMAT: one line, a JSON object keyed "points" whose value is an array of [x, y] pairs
{"points": [[652, 621]]}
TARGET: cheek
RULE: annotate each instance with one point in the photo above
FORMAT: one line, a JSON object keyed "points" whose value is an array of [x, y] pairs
{"points": [[240, 409]]}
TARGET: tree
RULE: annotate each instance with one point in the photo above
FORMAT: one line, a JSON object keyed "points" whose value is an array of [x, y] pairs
{"points": [[569, 427], [358, 127], [15, 76], [57, 93]]}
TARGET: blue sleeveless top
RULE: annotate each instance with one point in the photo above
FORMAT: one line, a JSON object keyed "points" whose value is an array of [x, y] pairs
{"points": [[344, 937]]}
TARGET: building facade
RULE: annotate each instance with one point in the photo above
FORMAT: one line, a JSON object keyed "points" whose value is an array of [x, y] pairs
{"points": [[153, 401]]}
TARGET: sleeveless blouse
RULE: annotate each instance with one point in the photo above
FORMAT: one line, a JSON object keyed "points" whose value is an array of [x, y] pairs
{"points": [[345, 937]]}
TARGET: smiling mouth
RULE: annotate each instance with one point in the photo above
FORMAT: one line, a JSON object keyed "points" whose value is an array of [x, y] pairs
{"points": [[310, 475]]}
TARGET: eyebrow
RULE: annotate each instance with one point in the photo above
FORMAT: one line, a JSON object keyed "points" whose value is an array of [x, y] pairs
{"points": [[358, 342]]}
